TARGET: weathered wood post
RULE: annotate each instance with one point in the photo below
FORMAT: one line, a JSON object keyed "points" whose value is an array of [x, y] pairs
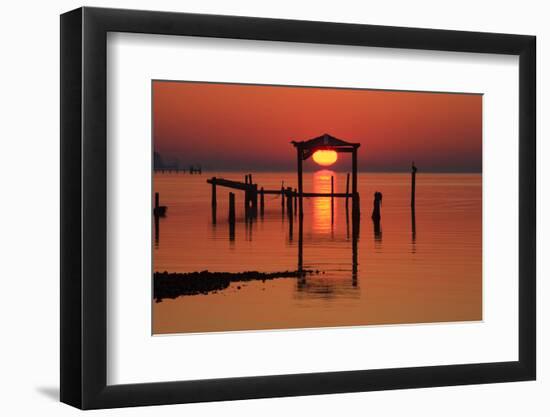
{"points": [[231, 207], [246, 203], [262, 201], [289, 204], [413, 185], [300, 244], [289, 201], [347, 191], [300, 184], [356, 205], [254, 198], [214, 201], [282, 197], [231, 217], [295, 201], [376, 206], [157, 201]]}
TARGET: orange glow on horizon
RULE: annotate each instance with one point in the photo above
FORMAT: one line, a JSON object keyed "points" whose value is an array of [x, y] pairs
{"points": [[325, 157], [441, 132]]}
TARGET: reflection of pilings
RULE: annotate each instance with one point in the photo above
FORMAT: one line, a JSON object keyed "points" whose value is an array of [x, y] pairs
{"points": [[347, 223], [413, 224], [413, 185], [289, 204], [354, 250], [262, 201], [254, 199], [231, 216], [300, 242], [377, 231], [157, 230], [290, 228], [347, 191], [295, 201], [356, 206], [332, 199]]}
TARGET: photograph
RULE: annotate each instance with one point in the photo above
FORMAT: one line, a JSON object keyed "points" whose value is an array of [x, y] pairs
{"points": [[280, 207]]}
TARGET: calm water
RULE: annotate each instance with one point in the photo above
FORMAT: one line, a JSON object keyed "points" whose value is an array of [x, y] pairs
{"points": [[426, 269]]}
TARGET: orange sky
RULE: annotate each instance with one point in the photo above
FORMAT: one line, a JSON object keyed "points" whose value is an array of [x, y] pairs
{"points": [[249, 127]]}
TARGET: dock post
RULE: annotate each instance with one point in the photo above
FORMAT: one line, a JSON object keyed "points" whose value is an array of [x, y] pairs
{"points": [[262, 201], [347, 191], [254, 198], [300, 156], [246, 203], [232, 208], [413, 185], [214, 201], [289, 201], [231, 217], [282, 196], [295, 201], [157, 201], [376, 206]]}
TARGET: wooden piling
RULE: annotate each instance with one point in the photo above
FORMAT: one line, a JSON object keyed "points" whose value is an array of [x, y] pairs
{"points": [[254, 198], [262, 201], [413, 185], [282, 196], [347, 191], [232, 208], [247, 200], [376, 206], [289, 201], [300, 157], [295, 201], [214, 201]]}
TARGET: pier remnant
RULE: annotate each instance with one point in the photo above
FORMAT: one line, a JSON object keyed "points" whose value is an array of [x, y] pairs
{"points": [[214, 202], [413, 185], [289, 201], [262, 201], [305, 149], [231, 217], [376, 206], [159, 211], [231, 207], [347, 191]]}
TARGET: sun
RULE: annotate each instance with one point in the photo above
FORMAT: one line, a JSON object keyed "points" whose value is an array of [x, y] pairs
{"points": [[325, 157]]}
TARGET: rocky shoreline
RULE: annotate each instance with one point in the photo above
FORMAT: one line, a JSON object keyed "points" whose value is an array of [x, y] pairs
{"points": [[175, 284]]}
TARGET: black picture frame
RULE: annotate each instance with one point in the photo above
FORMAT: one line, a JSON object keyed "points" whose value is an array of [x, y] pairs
{"points": [[84, 207]]}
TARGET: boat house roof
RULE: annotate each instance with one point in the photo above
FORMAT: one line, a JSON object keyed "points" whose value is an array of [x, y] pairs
{"points": [[325, 141]]}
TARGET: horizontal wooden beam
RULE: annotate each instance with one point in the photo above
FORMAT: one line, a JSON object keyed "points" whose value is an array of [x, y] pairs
{"points": [[230, 184]]}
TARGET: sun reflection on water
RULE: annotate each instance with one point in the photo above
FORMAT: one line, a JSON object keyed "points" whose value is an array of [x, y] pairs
{"points": [[323, 216]]}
